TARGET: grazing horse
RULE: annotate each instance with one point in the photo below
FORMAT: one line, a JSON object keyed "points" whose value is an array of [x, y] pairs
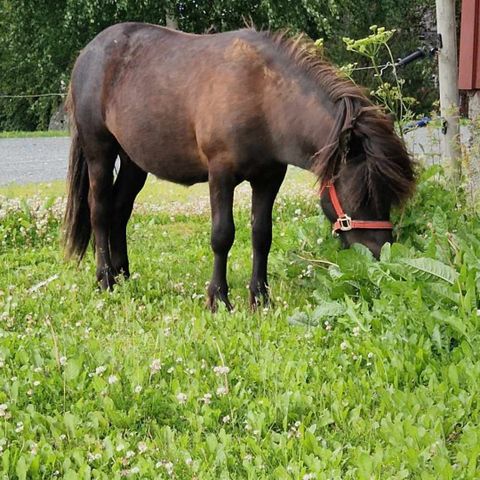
{"points": [[223, 108]]}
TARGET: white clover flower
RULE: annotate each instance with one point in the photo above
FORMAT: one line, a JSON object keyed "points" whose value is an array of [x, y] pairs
{"points": [[120, 447], [99, 370], [222, 391], [226, 419], [221, 370], [142, 447], [63, 361], [3, 409], [370, 355], [130, 454], [36, 383], [137, 389], [181, 397], [207, 398], [344, 345], [155, 366], [188, 461], [112, 379], [309, 476], [134, 470]]}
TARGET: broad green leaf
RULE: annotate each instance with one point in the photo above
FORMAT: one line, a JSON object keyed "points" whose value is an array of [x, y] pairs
{"points": [[300, 318], [328, 309], [442, 290], [73, 368], [430, 268], [70, 423], [385, 253], [21, 468]]}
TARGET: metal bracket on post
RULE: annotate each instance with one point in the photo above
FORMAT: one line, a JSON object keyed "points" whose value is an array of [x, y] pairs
{"points": [[444, 126], [439, 41]]}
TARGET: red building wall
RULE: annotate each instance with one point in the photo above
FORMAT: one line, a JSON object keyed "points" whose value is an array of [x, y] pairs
{"points": [[469, 63]]}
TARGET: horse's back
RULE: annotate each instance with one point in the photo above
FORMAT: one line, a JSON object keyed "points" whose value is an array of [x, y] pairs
{"points": [[171, 99]]}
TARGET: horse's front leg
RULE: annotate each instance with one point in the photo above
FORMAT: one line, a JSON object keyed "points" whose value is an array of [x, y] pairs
{"points": [[221, 186], [264, 192]]}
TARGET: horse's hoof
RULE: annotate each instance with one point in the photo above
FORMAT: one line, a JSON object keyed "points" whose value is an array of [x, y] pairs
{"points": [[212, 302], [121, 272], [106, 280], [259, 299]]}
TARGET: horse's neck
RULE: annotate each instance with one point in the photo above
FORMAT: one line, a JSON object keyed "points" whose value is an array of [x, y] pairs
{"points": [[300, 122]]}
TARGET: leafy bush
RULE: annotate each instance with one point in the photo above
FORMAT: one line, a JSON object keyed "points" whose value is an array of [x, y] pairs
{"points": [[39, 41]]}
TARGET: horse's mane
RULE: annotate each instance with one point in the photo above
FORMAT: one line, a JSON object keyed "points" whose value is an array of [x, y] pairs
{"points": [[362, 132]]}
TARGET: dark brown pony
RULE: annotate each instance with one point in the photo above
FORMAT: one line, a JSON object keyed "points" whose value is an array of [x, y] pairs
{"points": [[221, 108]]}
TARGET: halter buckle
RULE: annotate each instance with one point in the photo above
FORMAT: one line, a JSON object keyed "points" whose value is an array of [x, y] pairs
{"points": [[345, 223]]}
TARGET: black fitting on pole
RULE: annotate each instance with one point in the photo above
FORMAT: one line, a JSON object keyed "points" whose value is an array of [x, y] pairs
{"points": [[419, 53]]}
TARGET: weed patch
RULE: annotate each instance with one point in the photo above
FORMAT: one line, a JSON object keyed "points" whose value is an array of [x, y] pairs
{"points": [[360, 369]]}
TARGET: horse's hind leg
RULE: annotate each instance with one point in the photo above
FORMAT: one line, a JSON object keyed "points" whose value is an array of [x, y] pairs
{"points": [[129, 182], [264, 192], [221, 186], [101, 155]]}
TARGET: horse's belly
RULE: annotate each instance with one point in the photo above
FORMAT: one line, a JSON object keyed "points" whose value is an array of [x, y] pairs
{"points": [[178, 168], [182, 173], [169, 155]]}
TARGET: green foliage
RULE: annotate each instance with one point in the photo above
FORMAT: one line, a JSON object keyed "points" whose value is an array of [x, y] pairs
{"points": [[39, 41], [361, 369], [374, 47]]}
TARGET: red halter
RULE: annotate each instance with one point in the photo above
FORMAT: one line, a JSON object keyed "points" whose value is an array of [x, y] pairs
{"points": [[344, 223]]}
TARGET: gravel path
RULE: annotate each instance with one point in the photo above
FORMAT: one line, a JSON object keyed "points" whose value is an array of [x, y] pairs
{"points": [[28, 160]]}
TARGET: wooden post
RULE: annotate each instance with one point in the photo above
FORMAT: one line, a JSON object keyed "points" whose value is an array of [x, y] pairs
{"points": [[448, 80]]}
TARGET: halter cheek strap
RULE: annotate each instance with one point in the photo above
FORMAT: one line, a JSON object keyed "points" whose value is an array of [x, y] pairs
{"points": [[344, 223]]}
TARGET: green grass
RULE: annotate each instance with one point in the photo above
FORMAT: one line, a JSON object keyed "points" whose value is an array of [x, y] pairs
{"points": [[360, 369], [35, 134]]}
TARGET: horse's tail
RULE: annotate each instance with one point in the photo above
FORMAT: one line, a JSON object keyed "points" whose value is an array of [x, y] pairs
{"points": [[77, 226]]}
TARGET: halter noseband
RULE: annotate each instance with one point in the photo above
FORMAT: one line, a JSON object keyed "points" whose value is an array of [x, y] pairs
{"points": [[344, 223]]}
